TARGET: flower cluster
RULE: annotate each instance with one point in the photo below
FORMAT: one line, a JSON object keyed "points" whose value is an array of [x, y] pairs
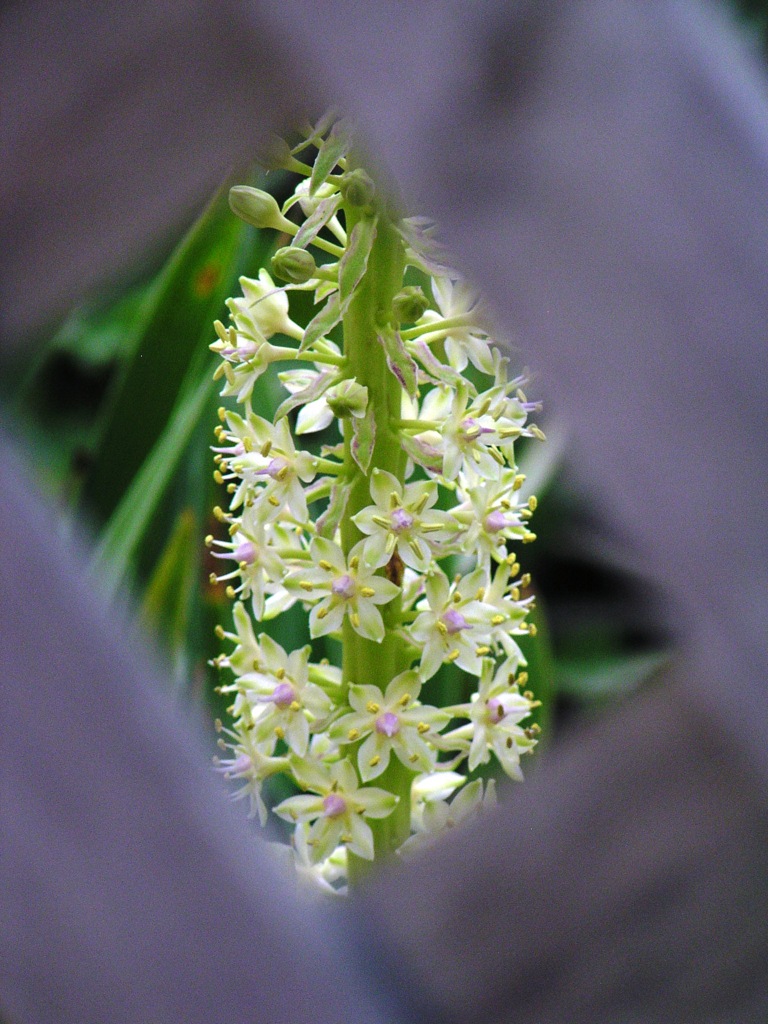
{"points": [[407, 562]]}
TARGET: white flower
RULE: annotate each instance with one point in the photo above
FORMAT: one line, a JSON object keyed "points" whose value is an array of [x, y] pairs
{"points": [[402, 520], [338, 810], [494, 713], [388, 722], [284, 704], [351, 588], [456, 624]]}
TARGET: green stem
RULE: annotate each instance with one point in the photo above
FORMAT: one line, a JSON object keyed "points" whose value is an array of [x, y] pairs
{"points": [[364, 661]]}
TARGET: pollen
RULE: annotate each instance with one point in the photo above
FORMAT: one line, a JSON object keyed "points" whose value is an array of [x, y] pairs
{"points": [[372, 707], [353, 734], [374, 761], [367, 592], [405, 700], [453, 655], [422, 727], [497, 620]]}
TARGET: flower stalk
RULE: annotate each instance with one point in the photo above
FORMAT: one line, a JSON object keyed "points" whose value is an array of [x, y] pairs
{"points": [[408, 561]]}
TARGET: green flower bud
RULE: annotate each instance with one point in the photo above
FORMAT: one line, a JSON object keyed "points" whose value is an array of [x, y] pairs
{"points": [[358, 188], [347, 399], [293, 264], [258, 208], [409, 305]]}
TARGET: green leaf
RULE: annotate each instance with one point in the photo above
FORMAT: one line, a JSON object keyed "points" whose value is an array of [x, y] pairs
{"points": [[121, 536], [399, 361], [321, 324], [165, 608], [316, 221], [316, 389], [602, 677], [331, 150], [337, 503], [363, 438], [169, 337], [354, 262]]}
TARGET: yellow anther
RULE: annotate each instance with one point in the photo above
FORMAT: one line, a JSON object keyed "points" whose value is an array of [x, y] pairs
{"points": [[482, 651], [222, 414], [367, 592], [218, 458], [325, 565], [514, 568], [453, 655], [525, 513], [497, 620], [506, 505], [233, 529], [509, 742], [405, 700], [537, 432], [282, 473], [242, 566], [322, 612], [280, 732], [218, 477], [355, 619], [230, 592], [533, 503], [306, 585], [219, 631], [413, 758], [456, 598], [480, 594], [231, 488], [354, 562], [213, 579], [372, 707], [441, 628], [273, 501], [218, 726], [515, 592], [525, 579], [265, 449], [422, 727], [532, 631], [528, 694], [522, 679], [352, 735], [280, 674], [518, 482], [374, 761], [295, 706], [247, 444], [219, 514]]}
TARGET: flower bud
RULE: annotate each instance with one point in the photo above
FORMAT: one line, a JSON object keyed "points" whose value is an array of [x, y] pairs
{"points": [[293, 264], [409, 305], [358, 188], [258, 208], [347, 399]]}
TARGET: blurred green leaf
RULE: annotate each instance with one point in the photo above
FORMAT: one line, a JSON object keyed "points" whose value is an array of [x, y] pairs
{"points": [[170, 337], [598, 678], [168, 597], [119, 541]]}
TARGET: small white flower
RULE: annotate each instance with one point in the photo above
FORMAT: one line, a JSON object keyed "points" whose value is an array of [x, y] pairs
{"points": [[389, 722], [337, 809], [403, 520], [351, 587], [456, 624]]}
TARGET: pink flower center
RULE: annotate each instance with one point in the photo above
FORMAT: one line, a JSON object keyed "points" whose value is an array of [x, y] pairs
{"points": [[401, 520], [495, 521], [343, 586], [495, 709], [453, 621], [334, 805], [246, 552], [283, 695], [388, 724]]}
